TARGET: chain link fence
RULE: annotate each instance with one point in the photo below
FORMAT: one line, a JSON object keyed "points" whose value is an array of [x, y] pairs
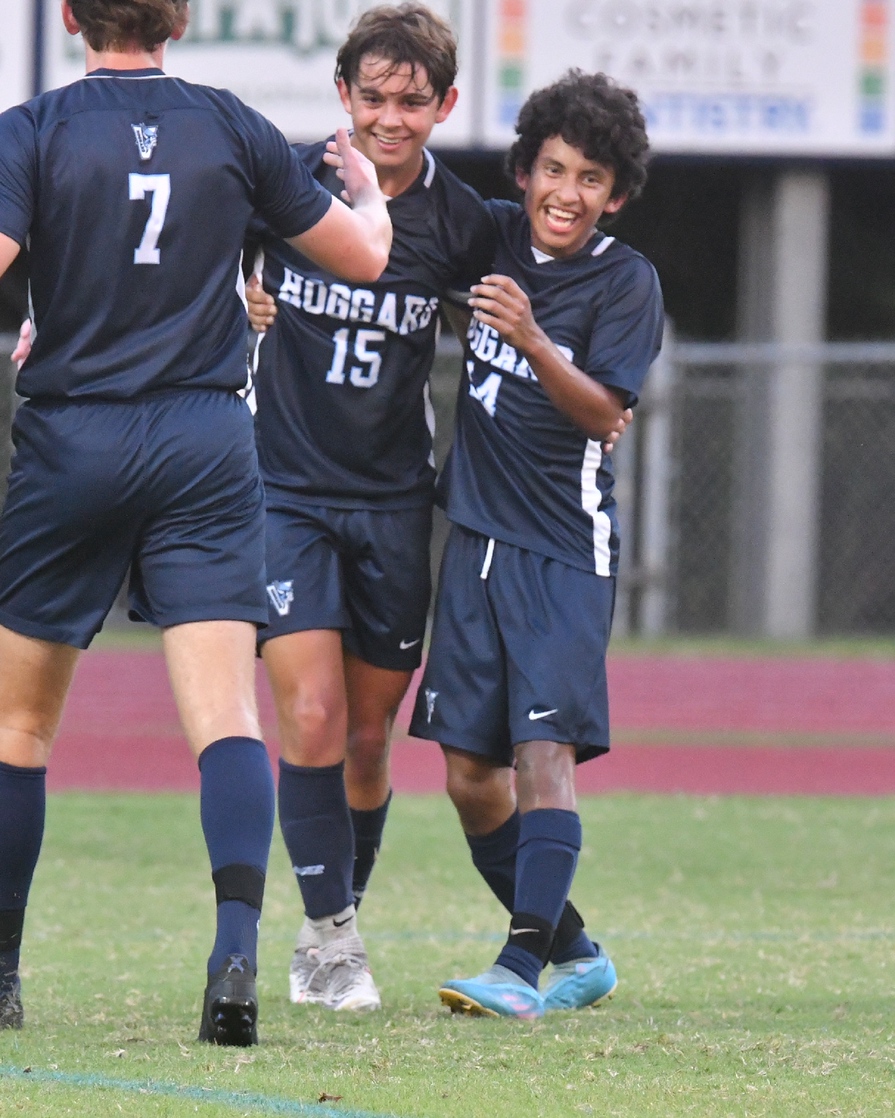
{"points": [[694, 478], [715, 490]]}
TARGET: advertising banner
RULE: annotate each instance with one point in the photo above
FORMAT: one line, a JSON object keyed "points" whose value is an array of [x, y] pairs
{"points": [[760, 77], [278, 56], [16, 54]]}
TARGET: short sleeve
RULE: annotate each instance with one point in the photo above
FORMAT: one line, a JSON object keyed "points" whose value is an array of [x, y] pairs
{"points": [[18, 172], [627, 334], [476, 249], [287, 196]]}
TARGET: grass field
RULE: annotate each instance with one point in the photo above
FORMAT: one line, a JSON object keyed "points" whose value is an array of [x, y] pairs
{"points": [[754, 942]]}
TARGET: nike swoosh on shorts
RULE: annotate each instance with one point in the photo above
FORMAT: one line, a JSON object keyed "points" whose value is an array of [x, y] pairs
{"points": [[534, 715]]}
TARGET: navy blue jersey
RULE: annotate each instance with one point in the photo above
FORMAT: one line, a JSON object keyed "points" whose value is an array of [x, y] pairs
{"points": [[519, 470], [343, 412], [133, 191]]}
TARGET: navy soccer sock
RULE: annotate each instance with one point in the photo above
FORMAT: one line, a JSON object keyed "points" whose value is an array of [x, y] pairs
{"points": [[237, 808], [316, 825], [494, 856], [549, 841], [22, 811], [368, 827]]}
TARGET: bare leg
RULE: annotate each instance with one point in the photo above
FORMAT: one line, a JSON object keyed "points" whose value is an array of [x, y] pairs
{"points": [[211, 665], [34, 680], [483, 794], [307, 675], [374, 695], [545, 776]]}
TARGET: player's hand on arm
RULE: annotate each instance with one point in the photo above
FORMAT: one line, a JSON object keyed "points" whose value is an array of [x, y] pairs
{"points": [[499, 302], [353, 243], [622, 426], [23, 346], [262, 306]]}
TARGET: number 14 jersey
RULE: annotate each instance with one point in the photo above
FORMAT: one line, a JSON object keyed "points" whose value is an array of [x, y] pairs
{"points": [[519, 470]]}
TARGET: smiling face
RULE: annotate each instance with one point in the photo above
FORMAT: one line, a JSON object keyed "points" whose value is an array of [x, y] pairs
{"points": [[565, 195], [394, 109]]}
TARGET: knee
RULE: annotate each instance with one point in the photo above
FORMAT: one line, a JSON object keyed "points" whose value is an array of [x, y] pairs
{"points": [[26, 744], [368, 747], [312, 728], [475, 788]]}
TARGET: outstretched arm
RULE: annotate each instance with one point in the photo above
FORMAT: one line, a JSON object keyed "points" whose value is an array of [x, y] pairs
{"points": [[600, 412], [354, 243]]}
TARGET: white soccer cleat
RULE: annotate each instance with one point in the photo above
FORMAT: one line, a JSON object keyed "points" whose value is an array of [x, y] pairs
{"points": [[342, 979], [330, 965]]}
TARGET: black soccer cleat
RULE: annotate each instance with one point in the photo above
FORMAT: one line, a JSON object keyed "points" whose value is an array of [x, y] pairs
{"points": [[230, 1011], [12, 1016]]}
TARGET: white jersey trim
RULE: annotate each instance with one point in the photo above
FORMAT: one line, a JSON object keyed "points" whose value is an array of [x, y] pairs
{"points": [[602, 246], [430, 420], [130, 77], [591, 499], [432, 168]]}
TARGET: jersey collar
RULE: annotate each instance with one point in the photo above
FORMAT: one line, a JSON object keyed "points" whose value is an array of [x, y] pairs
{"points": [[104, 72]]}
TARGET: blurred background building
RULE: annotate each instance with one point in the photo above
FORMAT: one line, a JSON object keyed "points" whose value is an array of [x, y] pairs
{"points": [[757, 483]]}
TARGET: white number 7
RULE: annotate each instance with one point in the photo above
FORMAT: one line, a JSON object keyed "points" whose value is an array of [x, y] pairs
{"points": [[159, 186]]}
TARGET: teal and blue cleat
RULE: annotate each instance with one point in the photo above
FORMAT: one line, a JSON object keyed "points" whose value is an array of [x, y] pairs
{"points": [[498, 992], [581, 982]]}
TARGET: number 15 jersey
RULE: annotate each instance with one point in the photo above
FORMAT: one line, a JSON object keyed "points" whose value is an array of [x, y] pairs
{"points": [[343, 416]]}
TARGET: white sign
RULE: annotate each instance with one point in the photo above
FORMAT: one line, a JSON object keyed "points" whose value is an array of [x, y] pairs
{"points": [[276, 55], [16, 54], [787, 77]]}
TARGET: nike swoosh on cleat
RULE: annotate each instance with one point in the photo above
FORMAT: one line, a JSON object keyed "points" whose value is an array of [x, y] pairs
{"points": [[534, 715], [404, 645]]}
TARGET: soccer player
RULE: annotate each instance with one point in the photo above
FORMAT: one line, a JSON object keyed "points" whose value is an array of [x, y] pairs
{"points": [[563, 332], [344, 429], [133, 447]]}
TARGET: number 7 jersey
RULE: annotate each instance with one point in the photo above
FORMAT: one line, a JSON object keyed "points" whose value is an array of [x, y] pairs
{"points": [[133, 191], [520, 471]]}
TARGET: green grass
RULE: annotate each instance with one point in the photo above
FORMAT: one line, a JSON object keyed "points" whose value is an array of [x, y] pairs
{"points": [[134, 636], [754, 941]]}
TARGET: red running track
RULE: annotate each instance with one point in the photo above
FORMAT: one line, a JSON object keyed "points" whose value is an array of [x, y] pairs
{"points": [[713, 726]]}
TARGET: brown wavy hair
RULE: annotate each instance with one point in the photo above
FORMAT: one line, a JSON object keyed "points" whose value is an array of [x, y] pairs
{"points": [[405, 34], [117, 24]]}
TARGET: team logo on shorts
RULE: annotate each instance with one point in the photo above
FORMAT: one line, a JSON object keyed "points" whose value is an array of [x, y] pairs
{"points": [[147, 137], [431, 696], [281, 596]]}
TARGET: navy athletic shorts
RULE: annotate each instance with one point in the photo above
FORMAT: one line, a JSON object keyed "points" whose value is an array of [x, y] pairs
{"points": [[166, 485], [364, 571], [518, 652]]}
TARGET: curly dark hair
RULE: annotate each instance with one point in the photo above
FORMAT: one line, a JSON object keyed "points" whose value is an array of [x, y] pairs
{"points": [[593, 114], [116, 24], [405, 34]]}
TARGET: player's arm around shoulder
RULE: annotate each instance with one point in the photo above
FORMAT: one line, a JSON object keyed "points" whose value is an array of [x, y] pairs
{"points": [[351, 241], [599, 411]]}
